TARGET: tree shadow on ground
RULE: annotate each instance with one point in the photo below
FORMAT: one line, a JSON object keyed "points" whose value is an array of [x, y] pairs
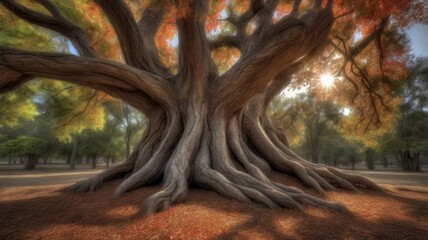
{"points": [[205, 214]]}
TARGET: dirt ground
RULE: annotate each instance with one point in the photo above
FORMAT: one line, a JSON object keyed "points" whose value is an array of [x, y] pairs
{"points": [[32, 207]]}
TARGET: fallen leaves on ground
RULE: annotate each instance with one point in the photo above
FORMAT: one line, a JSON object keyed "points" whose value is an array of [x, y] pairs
{"points": [[46, 213]]}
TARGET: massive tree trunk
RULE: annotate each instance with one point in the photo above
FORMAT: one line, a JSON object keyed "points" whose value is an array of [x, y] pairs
{"points": [[208, 129]]}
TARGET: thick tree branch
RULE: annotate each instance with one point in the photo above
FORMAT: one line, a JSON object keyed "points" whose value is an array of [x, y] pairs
{"points": [[98, 74], [57, 23], [134, 50], [149, 25], [242, 21], [81, 41], [11, 80], [194, 51], [282, 80], [296, 6], [151, 19], [264, 17], [131, 41], [263, 14], [284, 44], [240, 40]]}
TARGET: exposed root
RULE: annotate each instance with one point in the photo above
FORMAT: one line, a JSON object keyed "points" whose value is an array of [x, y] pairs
{"points": [[233, 159], [280, 161], [153, 169], [314, 175], [176, 179], [94, 183], [263, 190], [357, 179]]}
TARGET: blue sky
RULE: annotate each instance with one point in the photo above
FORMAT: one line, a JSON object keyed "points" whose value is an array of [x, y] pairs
{"points": [[418, 34]]}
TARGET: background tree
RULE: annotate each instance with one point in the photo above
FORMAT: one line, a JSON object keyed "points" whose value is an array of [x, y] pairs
{"points": [[411, 136], [318, 118], [28, 147], [205, 127], [337, 150], [308, 121], [131, 122], [309, 116]]}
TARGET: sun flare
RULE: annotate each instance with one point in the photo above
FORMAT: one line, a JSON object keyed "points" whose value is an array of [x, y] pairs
{"points": [[327, 80]]}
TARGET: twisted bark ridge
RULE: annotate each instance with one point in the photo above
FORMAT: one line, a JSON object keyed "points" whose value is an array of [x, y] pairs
{"points": [[208, 129]]}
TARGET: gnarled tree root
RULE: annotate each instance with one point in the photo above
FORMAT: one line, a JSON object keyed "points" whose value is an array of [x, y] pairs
{"points": [[233, 158]]}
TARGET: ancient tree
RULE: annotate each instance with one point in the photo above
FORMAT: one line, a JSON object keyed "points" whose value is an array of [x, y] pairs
{"points": [[205, 128]]}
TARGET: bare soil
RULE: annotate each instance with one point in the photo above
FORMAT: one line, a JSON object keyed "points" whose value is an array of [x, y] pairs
{"points": [[31, 207]]}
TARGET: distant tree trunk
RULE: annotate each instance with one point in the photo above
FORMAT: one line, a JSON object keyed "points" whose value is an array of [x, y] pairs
{"points": [[45, 160], [73, 153], [370, 159], [87, 159], [31, 161], [416, 165], [94, 161], [353, 163], [404, 155], [410, 162], [384, 160], [10, 160], [107, 162]]}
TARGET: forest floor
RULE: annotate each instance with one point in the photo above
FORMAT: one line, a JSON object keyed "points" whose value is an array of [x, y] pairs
{"points": [[32, 207]]}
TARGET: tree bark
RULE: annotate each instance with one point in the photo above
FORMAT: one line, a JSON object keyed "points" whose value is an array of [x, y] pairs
{"points": [[204, 129]]}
